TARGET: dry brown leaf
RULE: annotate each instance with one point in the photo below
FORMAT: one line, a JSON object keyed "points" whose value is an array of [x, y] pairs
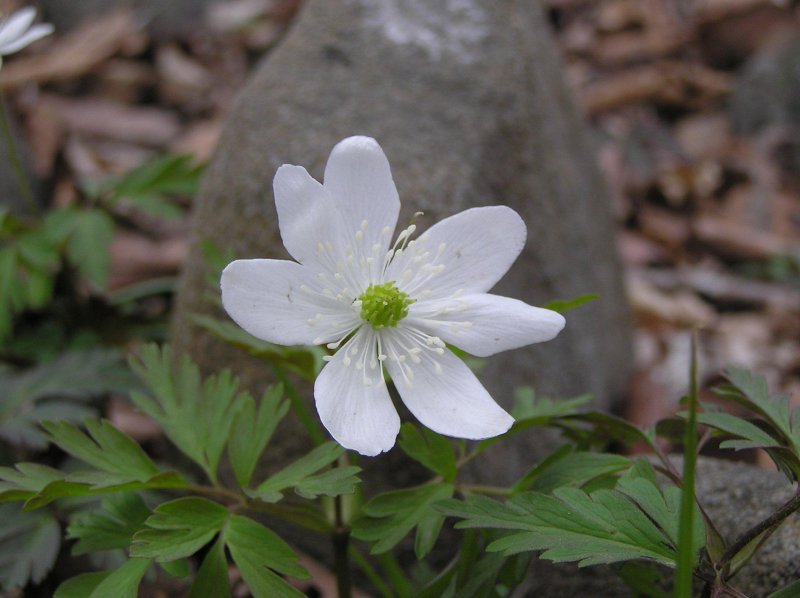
{"points": [[736, 240], [199, 139], [680, 307], [666, 227], [136, 258], [96, 117], [181, 78], [74, 54], [690, 85], [710, 281]]}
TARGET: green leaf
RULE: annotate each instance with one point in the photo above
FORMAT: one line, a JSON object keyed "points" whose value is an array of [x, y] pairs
{"points": [[336, 481], [89, 483], [790, 591], [562, 305], [150, 186], [104, 448], [88, 234], [247, 536], [306, 362], [530, 411], [122, 582], [568, 467], [597, 429], [527, 406], [25, 480], [252, 430], [389, 517], [644, 579], [258, 552], [122, 514], [429, 448], [751, 435], [58, 390], [271, 490], [212, 577], [751, 392], [29, 545], [178, 529], [196, 415], [635, 522]]}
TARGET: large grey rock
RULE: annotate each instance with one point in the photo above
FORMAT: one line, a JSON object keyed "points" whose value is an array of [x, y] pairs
{"points": [[767, 91], [468, 100], [736, 497]]}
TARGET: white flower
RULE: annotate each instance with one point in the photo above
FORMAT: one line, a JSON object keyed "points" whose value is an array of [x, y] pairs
{"points": [[386, 306], [16, 31]]}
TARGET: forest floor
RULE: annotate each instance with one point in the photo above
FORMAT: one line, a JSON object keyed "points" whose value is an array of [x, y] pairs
{"points": [[704, 171]]}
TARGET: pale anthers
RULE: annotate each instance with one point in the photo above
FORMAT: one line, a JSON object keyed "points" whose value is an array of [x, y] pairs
{"points": [[18, 31], [384, 307]]}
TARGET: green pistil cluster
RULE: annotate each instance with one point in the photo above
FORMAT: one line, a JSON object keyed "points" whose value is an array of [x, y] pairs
{"points": [[384, 305]]}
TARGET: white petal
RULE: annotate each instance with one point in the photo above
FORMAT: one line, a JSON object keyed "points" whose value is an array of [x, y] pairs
{"points": [[476, 248], [484, 324], [449, 401], [306, 214], [359, 416], [279, 301], [34, 33], [16, 24], [359, 180]]}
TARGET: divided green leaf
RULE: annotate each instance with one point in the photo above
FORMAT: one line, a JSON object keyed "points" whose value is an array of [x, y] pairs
{"points": [[57, 390], [121, 515], [196, 415], [251, 431], [568, 467], [105, 448], [122, 582], [299, 472], [389, 517], [150, 186], [211, 580], [430, 449], [178, 529], [634, 521], [29, 545], [781, 440], [303, 361]]}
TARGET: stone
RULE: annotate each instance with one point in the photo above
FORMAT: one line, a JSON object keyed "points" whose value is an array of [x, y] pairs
{"points": [[469, 102], [767, 90]]}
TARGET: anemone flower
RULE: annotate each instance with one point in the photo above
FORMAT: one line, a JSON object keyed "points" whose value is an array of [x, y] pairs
{"points": [[16, 31], [383, 306]]}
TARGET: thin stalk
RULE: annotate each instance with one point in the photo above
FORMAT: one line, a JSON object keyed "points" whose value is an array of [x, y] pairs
{"points": [[484, 489], [770, 524], [371, 573], [341, 557], [686, 557], [14, 157]]}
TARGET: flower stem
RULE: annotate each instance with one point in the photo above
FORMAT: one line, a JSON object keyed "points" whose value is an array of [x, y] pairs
{"points": [[14, 157], [484, 489], [341, 557], [685, 560], [768, 525]]}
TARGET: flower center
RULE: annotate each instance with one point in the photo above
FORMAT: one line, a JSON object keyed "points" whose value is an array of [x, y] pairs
{"points": [[384, 305]]}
